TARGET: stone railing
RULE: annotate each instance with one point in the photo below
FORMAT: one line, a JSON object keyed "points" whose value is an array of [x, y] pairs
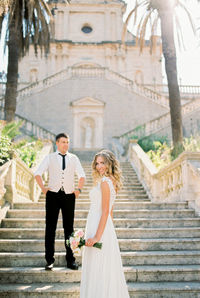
{"points": [[178, 182], [155, 125], [3, 205], [17, 182], [93, 72], [30, 128], [184, 89], [136, 88]]}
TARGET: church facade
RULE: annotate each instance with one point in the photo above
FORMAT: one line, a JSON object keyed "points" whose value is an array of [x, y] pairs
{"points": [[91, 85]]}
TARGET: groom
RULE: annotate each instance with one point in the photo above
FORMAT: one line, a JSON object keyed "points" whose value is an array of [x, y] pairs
{"points": [[60, 194]]}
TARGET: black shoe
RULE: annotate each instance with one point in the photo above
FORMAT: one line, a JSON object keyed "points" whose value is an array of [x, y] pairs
{"points": [[49, 266], [72, 265]]}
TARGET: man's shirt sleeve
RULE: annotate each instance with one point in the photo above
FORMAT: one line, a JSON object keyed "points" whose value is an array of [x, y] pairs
{"points": [[79, 170], [42, 167]]}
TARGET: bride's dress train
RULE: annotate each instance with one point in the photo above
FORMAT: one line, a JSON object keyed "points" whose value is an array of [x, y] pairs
{"points": [[102, 271]]}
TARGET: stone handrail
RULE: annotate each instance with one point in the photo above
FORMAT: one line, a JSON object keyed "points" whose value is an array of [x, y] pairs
{"points": [[30, 128], [184, 89], [3, 172], [4, 206], [136, 88], [93, 72], [20, 183], [157, 124], [178, 182]]}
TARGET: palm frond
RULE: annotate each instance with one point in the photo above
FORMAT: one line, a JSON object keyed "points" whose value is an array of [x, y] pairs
{"points": [[188, 15], [179, 32], [129, 17], [143, 30], [153, 33]]}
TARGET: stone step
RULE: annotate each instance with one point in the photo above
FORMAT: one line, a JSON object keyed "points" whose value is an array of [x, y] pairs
{"points": [[128, 180], [178, 273], [128, 233], [119, 223], [164, 290], [44, 290], [71, 290], [127, 189], [170, 213], [37, 245], [118, 199], [117, 206], [120, 196], [36, 259]]}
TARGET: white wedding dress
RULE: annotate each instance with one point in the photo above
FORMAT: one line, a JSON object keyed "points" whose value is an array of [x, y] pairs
{"points": [[102, 271]]}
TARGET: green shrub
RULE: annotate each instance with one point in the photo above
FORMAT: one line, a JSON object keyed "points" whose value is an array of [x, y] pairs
{"points": [[5, 149], [11, 129], [192, 143], [160, 153], [150, 143], [27, 148], [161, 156]]}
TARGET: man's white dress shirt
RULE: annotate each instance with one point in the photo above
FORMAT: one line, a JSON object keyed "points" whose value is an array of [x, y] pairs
{"points": [[59, 178]]}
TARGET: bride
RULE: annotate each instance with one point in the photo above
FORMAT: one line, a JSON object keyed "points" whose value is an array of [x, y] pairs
{"points": [[102, 271]]}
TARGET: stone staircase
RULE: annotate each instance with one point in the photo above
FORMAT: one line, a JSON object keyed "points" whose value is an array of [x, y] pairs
{"points": [[160, 247]]}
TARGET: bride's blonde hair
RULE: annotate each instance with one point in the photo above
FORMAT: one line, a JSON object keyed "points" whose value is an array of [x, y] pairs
{"points": [[113, 168]]}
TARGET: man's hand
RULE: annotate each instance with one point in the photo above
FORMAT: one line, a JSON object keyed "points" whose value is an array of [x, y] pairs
{"points": [[45, 189], [77, 193]]}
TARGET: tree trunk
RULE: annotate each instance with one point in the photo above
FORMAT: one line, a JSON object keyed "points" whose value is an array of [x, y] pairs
{"points": [[1, 22], [12, 73], [169, 52]]}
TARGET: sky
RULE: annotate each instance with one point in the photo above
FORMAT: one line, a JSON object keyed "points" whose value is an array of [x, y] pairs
{"points": [[188, 61]]}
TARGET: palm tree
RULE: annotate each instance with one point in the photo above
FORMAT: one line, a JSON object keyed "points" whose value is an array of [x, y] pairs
{"points": [[165, 11], [28, 23]]}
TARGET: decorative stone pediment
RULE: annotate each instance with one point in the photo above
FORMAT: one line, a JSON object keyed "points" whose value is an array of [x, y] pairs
{"points": [[88, 102], [88, 122]]}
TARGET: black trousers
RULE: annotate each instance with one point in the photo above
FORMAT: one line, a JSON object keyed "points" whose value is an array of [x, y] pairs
{"points": [[55, 202]]}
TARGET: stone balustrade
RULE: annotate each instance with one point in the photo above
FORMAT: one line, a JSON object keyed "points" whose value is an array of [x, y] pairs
{"points": [[30, 128], [177, 182], [3, 172], [17, 182], [87, 72], [157, 124], [93, 72], [184, 89], [136, 88]]}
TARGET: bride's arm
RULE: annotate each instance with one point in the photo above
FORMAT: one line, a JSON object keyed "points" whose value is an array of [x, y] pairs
{"points": [[105, 190], [111, 213]]}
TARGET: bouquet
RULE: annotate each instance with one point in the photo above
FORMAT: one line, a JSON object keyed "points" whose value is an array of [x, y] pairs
{"points": [[76, 241]]}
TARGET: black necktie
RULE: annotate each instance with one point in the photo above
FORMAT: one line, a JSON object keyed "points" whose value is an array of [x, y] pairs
{"points": [[63, 161]]}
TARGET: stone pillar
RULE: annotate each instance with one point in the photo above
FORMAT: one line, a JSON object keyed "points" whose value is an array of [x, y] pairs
{"points": [[66, 25], [107, 25]]}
